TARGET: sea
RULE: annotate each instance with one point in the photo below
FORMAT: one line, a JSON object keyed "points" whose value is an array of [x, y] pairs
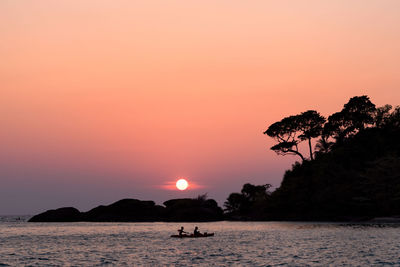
{"points": [[234, 244]]}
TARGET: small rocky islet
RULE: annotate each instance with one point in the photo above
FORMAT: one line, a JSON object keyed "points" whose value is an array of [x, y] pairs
{"points": [[134, 210]]}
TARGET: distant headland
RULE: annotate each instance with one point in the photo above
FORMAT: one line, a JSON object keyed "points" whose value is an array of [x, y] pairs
{"points": [[351, 173]]}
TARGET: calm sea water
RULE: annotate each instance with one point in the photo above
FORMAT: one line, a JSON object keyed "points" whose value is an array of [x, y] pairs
{"points": [[234, 243]]}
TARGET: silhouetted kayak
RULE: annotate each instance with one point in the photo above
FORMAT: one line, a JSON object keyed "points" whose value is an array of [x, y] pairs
{"points": [[193, 236]]}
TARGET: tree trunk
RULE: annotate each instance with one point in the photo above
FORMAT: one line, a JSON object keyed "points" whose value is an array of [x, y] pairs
{"points": [[297, 153], [309, 144]]}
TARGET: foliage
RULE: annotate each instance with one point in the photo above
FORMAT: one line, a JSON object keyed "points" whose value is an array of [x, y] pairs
{"points": [[290, 131], [247, 203], [382, 114], [355, 116], [310, 125], [323, 145], [359, 112], [355, 173], [285, 133]]}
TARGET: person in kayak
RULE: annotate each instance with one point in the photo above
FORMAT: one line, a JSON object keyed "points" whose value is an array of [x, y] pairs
{"points": [[181, 231], [196, 231]]}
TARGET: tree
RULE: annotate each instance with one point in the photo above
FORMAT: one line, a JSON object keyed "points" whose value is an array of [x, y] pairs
{"points": [[255, 192], [382, 114], [285, 132], [311, 126], [359, 112], [290, 131], [337, 127], [323, 144], [354, 117], [251, 198], [393, 120], [234, 203]]}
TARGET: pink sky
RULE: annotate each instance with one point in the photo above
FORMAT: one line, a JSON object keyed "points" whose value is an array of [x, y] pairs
{"points": [[102, 100]]}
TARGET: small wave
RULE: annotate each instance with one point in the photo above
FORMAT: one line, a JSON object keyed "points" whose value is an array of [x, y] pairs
{"points": [[88, 244]]}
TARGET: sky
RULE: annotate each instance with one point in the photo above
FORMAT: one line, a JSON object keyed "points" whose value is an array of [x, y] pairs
{"points": [[104, 100]]}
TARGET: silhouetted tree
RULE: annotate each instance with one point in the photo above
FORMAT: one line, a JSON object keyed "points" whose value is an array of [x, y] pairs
{"points": [[251, 199], [311, 126], [354, 117], [285, 133], [234, 203], [359, 112], [393, 120], [255, 192], [323, 144], [382, 114], [202, 198], [337, 127], [290, 131]]}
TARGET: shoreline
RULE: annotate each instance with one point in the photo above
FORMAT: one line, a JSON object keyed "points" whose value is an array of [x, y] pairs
{"points": [[375, 220]]}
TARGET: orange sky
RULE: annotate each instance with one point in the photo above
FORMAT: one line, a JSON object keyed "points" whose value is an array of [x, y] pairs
{"points": [[101, 100]]}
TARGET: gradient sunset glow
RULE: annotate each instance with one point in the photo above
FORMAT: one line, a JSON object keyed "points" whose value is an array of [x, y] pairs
{"points": [[103, 100]]}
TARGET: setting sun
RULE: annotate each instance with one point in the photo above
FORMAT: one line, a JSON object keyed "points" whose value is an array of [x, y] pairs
{"points": [[182, 184]]}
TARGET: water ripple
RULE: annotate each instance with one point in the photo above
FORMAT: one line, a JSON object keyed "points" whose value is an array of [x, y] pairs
{"points": [[235, 244]]}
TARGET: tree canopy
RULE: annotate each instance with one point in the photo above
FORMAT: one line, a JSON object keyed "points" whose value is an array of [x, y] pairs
{"points": [[248, 201], [292, 130], [356, 115]]}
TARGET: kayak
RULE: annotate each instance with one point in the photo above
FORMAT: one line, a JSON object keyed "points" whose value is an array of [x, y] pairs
{"points": [[193, 236]]}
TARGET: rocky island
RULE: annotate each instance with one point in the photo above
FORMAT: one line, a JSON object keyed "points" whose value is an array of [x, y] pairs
{"points": [[134, 210]]}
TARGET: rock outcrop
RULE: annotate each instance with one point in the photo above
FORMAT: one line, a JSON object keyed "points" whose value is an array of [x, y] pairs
{"points": [[126, 210], [59, 215], [187, 209], [134, 210]]}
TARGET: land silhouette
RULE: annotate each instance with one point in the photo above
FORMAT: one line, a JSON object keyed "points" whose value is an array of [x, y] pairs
{"points": [[134, 210], [351, 173]]}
